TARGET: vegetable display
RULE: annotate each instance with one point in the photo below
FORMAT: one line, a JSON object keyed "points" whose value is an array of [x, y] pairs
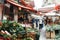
{"points": [[14, 30]]}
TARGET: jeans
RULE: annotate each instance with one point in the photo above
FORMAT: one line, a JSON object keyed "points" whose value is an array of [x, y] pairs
{"points": [[35, 20]]}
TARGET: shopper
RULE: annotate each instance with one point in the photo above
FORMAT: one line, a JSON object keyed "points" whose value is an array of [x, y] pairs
{"points": [[42, 29], [35, 20], [41, 21]]}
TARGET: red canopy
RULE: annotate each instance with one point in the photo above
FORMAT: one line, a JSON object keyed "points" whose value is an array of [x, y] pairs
{"points": [[18, 5]]}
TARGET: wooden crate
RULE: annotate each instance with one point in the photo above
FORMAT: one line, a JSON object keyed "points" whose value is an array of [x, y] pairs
{"points": [[53, 34], [47, 34], [50, 35]]}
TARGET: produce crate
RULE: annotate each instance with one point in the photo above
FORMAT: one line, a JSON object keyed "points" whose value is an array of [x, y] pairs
{"points": [[31, 34], [50, 35]]}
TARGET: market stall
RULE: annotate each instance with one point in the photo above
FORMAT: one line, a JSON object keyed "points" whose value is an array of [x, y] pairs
{"points": [[14, 31], [53, 27]]}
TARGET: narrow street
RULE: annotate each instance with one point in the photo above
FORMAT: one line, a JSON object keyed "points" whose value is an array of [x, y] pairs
{"points": [[43, 34]]}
